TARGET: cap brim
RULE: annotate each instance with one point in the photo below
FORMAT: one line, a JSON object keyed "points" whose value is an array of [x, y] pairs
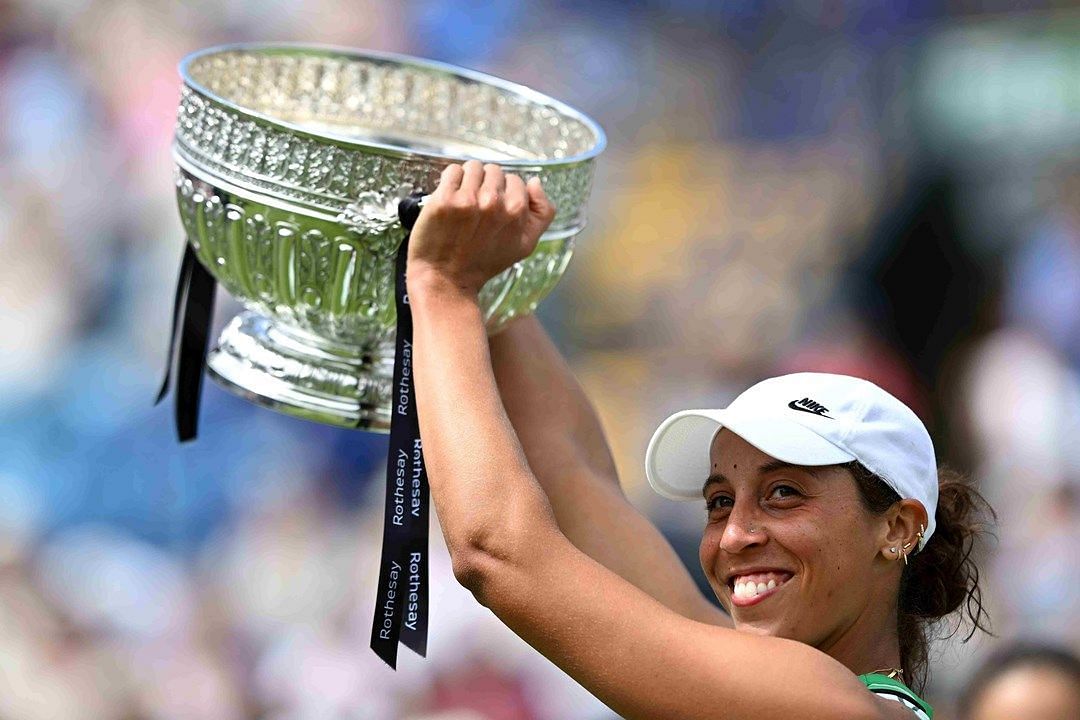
{"points": [[677, 459]]}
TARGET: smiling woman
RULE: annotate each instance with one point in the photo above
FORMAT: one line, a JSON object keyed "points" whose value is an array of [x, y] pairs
{"points": [[805, 547], [822, 494], [820, 521]]}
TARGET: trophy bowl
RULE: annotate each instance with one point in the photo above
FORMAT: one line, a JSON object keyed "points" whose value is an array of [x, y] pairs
{"points": [[290, 164]]}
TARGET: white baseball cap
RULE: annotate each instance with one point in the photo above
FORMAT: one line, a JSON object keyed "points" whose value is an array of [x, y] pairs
{"points": [[803, 419]]}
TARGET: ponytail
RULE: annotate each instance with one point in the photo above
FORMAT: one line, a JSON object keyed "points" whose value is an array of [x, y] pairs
{"points": [[940, 579]]}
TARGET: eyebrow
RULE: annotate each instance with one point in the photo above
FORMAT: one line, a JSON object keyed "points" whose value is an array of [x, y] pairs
{"points": [[772, 466]]}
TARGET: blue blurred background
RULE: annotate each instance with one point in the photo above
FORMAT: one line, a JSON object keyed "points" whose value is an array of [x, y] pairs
{"points": [[885, 188]]}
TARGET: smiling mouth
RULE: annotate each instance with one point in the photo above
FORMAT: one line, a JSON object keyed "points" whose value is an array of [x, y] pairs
{"points": [[751, 589]]}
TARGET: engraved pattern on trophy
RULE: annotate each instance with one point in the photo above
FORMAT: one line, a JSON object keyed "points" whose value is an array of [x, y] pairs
{"points": [[540, 133], [291, 162], [324, 280]]}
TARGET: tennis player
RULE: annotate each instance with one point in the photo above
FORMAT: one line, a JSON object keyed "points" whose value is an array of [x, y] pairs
{"points": [[830, 541]]}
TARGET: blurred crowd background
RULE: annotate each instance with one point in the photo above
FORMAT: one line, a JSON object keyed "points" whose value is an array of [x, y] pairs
{"points": [[887, 188]]}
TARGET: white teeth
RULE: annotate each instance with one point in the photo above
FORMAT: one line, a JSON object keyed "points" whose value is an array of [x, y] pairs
{"points": [[745, 589], [748, 589]]}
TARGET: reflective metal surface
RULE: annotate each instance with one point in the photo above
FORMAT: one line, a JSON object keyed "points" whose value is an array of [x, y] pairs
{"points": [[291, 161]]}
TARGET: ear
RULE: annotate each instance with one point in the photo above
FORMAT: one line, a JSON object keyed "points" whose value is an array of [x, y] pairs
{"points": [[904, 523]]}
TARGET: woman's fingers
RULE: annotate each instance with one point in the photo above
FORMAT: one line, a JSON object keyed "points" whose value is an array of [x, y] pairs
{"points": [[450, 180], [492, 188], [481, 221], [494, 177], [472, 178], [517, 207], [477, 180]]}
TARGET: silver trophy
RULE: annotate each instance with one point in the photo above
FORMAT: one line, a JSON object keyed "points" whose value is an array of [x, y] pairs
{"points": [[290, 164]]}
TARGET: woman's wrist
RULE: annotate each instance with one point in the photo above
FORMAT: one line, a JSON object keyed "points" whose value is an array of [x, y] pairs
{"points": [[426, 283]]}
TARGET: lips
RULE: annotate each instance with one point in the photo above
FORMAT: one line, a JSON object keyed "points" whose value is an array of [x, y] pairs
{"points": [[749, 587]]}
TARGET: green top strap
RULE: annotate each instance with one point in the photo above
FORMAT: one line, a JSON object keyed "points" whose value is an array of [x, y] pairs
{"points": [[886, 684]]}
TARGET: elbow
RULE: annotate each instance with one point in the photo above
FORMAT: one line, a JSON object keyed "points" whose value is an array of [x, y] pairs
{"points": [[480, 566], [474, 569], [484, 554], [499, 556], [500, 543]]}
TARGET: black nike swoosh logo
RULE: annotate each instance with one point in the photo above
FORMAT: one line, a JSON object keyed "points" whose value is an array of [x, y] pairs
{"points": [[793, 406]]}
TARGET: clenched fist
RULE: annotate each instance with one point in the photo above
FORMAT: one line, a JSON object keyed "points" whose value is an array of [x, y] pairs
{"points": [[478, 222]]}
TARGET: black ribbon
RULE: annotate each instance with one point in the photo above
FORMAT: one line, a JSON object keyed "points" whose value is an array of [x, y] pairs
{"points": [[401, 605], [193, 308], [401, 611]]}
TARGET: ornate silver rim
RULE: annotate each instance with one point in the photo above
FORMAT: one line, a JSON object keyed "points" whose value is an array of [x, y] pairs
{"points": [[333, 51]]}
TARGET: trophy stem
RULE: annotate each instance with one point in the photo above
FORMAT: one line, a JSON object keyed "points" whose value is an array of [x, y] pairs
{"points": [[303, 375]]}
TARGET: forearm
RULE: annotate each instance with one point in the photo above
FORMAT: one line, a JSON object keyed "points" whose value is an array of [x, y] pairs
{"points": [[484, 492], [566, 450], [559, 433], [547, 405]]}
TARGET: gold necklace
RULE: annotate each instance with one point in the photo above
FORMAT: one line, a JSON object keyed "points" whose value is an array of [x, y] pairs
{"points": [[894, 673]]}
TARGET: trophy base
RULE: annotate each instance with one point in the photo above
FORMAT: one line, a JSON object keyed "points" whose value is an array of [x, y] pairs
{"points": [[304, 376]]}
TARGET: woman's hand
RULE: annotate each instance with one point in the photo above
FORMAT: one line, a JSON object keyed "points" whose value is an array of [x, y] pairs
{"points": [[478, 222]]}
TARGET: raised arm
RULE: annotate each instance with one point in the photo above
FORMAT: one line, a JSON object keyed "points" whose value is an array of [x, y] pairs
{"points": [[632, 652], [564, 444]]}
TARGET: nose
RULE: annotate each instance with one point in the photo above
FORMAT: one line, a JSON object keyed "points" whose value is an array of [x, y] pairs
{"points": [[743, 529]]}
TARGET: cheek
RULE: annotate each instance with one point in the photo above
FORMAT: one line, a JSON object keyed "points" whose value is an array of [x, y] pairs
{"points": [[707, 551], [829, 569], [834, 553], [817, 547]]}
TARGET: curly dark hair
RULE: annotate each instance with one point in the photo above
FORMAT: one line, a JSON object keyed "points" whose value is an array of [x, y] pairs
{"points": [[943, 577]]}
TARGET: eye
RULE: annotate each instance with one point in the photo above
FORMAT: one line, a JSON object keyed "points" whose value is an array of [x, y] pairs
{"points": [[783, 492], [720, 502]]}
